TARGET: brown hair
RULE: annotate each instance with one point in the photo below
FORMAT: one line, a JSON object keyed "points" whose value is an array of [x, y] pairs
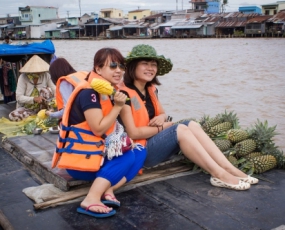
{"points": [[130, 74], [60, 67], [103, 54]]}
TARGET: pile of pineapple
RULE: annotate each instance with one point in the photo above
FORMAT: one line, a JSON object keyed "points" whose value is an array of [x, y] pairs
{"points": [[252, 150]]}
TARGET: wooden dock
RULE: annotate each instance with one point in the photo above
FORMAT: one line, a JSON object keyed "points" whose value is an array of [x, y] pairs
{"points": [[161, 198], [36, 152]]}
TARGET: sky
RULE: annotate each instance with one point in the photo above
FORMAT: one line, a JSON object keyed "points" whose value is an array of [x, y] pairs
{"points": [[71, 7]]}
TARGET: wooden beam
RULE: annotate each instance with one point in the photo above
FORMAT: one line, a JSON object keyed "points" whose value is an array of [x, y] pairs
{"points": [[4, 222]]}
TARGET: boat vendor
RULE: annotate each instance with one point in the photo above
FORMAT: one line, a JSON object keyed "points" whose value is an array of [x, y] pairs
{"points": [[7, 40], [34, 89]]}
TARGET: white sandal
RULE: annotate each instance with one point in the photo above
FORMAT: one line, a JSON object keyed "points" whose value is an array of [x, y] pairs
{"points": [[249, 179], [240, 186]]}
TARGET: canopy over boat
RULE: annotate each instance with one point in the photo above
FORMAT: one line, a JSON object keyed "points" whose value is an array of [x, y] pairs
{"points": [[14, 53]]}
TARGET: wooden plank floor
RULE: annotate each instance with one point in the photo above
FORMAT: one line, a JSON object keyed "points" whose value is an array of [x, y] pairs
{"points": [[36, 152], [187, 202]]}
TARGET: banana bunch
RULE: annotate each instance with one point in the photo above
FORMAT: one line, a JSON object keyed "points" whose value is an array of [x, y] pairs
{"points": [[42, 114], [40, 124], [102, 87]]}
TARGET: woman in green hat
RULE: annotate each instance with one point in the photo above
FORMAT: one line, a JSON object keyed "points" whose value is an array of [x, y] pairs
{"points": [[146, 123]]}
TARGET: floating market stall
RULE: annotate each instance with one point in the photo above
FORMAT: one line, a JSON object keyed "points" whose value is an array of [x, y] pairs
{"points": [[13, 57]]}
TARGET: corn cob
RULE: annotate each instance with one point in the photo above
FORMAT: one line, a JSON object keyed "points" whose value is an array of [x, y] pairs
{"points": [[102, 87]]}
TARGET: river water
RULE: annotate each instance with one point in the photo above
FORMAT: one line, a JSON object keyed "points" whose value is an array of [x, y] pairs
{"points": [[209, 76]]}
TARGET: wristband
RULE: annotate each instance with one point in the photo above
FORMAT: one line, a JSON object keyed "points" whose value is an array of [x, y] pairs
{"points": [[157, 129], [161, 127]]}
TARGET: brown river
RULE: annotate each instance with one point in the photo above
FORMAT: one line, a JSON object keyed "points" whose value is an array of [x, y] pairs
{"points": [[209, 76]]}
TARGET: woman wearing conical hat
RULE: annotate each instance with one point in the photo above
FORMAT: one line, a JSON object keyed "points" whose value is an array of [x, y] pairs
{"points": [[34, 88]]}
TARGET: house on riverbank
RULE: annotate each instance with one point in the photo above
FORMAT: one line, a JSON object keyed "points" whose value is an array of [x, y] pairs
{"points": [[43, 22]]}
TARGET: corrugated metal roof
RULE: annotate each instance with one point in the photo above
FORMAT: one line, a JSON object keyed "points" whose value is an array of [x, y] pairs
{"points": [[116, 20], [231, 24], [3, 26], [116, 28], [135, 11], [133, 26], [154, 16], [98, 24], [213, 19], [189, 26], [279, 17], [259, 19], [171, 23]]}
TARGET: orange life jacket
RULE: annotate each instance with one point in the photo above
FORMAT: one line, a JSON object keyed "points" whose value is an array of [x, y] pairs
{"points": [[74, 79], [139, 111], [77, 146], [92, 75]]}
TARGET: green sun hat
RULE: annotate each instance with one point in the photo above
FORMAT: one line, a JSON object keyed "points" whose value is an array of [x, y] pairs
{"points": [[148, 52]]}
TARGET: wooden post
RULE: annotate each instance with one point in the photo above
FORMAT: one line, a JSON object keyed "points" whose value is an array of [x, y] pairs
{"points": [[4, 222]]}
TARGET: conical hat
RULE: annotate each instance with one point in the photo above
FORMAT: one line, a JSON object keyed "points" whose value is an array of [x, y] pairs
{"points": [[35, 65]]}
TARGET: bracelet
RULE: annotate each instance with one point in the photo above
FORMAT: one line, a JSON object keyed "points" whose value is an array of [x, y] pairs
{"points": [[157, 129], [161, 127]]}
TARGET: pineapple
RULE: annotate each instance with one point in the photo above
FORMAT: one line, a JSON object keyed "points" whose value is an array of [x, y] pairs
{"points": [[227, 122], [237, 135], [245, 147], [232, 118], [271, 149], [253, 154], [223, 145], [260, 140], [262, 164], [220, 128], [233, 160], [42, 114], [262, 134], [207, 123]]}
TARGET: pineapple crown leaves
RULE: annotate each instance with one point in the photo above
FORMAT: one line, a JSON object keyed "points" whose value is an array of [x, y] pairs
{"points": [[246, 166], [230, 117], [262, 133]]}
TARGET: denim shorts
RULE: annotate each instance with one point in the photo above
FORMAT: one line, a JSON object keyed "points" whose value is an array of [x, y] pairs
{"points": [[162, 146]]}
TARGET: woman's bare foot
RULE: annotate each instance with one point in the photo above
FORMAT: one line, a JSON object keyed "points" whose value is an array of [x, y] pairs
{"points": [[94, 205], [109, 195]]}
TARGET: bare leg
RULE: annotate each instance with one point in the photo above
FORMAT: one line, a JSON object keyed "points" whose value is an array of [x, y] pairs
{"points": [[213, 150], [193, 150], [99, 186], [111, 190]]}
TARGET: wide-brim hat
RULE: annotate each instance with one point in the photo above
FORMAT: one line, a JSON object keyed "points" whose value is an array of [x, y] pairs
{"points": [[148, 52], [35, 65]]}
